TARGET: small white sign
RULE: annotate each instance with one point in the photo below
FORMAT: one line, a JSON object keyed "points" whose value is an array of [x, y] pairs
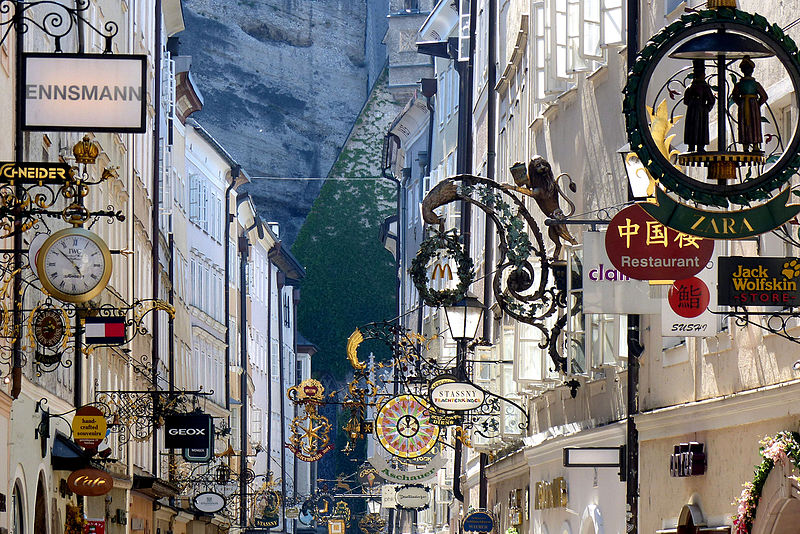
{"points": [[388, 494], [412, 497], [606, 290], [704, 325], [209, 502], [84, 92], [457, 396]]}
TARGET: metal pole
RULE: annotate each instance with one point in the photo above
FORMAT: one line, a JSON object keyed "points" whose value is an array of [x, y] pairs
{"points": [[634, 346], [243, 253], [16, 305], [156, 231]]}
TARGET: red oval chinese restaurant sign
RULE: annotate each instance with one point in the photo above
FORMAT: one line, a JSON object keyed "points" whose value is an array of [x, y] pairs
{"points": [[90, 482], [643, 248]]}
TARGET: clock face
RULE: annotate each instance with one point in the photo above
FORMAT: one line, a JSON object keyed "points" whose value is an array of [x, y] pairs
{"points": [[48, 328], [74, 265]]}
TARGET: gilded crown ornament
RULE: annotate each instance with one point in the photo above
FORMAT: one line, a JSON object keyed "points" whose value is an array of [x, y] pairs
{"points": [[86, 151]]}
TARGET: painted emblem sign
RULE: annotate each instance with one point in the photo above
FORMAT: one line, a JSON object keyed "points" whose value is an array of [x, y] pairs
{"points": [[449, 394], [644, 249], [88, 427], [309, 440], [414, 497], [209, 502], [478, 522], [758, 281], [685, 311], [90, 482], [404, 428], [689, 298]]}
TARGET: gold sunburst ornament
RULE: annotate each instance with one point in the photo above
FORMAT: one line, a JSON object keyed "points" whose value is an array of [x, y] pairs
{"points": [[310, 439]]}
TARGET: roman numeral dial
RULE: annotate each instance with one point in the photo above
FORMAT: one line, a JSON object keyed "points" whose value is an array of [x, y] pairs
{"points": [[74, 265]]}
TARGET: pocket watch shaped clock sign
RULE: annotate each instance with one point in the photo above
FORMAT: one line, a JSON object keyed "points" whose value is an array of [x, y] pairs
{"points": [[74, 265]]}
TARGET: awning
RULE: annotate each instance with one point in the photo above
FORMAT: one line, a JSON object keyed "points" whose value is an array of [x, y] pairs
{"points": [[67, 455], [154, 487]]}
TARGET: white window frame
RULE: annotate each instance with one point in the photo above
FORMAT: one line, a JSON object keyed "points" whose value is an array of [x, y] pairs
{"points": [[591, 24], [613, 23]]}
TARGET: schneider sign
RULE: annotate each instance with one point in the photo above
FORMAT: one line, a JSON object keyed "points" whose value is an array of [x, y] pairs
{"points": [[79, 92]]}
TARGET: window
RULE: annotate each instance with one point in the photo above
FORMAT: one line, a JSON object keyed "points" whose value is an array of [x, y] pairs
{"points": [[287, 311], [411, 6], [255, 421], [590, 36], [558, 14], [613, 22]]}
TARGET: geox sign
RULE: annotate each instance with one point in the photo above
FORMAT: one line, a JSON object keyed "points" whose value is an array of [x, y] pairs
{"points": [[187, 431], [80, 92]]}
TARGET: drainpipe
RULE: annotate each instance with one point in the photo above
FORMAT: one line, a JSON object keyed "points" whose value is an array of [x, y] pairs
{"points": [[235, 171], [635, 348], [156, 230], [244, 246], [464, 166], [281, 283], [488, 244], [269, 364]]}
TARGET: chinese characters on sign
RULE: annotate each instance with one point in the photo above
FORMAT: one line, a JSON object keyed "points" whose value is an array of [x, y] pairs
{"points": [[689, 298], [643, 248]]}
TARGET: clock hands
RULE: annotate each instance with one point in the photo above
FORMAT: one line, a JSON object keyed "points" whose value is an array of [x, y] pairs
{"points": [[69, 260]]}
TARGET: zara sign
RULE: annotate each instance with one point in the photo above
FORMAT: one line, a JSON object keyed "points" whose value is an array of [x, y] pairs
{"points": [[80, 92]]}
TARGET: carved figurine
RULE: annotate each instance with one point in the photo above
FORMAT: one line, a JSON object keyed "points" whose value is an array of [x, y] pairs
{"points": [[749, 97], [540, 184], [699, 101]]}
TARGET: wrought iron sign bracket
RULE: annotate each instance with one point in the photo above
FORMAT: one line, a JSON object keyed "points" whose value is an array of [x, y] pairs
{"points": [[57, 23], [777, 323]]}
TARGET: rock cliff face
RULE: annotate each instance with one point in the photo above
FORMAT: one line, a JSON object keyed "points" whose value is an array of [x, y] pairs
{"points": [[283, 82]]}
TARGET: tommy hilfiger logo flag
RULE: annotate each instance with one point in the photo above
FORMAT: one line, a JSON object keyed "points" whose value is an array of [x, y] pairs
{"points": [[104, 330]]}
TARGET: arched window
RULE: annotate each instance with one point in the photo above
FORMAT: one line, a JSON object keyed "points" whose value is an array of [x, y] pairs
{"points": [[40, 510]]}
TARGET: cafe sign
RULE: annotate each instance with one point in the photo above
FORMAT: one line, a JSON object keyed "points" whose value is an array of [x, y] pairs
{"points": [[759, 281], [642, 248], [88, 427], [84, 92], [90, 482], [449, 394]]}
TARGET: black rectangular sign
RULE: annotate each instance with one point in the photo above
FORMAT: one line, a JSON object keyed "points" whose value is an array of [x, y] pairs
{"points": [[187, 431], [757, 281]]}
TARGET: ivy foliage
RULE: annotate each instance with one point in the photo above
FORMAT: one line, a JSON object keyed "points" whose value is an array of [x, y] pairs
{"points": [[350, 277]]}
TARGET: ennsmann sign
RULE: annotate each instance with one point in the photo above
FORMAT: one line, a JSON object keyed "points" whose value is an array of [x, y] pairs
{"points": [[98, 92]]}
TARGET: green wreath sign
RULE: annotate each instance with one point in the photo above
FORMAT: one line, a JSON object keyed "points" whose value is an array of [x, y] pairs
{"points": [[635, 107], [431, 248], [778, 449]]}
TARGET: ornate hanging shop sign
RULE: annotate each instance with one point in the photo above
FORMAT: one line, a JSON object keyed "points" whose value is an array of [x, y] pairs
{"points": [[90, 482], [404, 428], [89, 427], [413, 497], [642, 248], [447, 393], [398, 476], [701, 67], [478, 521], [209, 502], [309, 440]]}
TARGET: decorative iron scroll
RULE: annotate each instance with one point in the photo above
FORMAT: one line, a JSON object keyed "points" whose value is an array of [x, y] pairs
{"points": [[521, 281], [54, 19], [134, 414]]}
